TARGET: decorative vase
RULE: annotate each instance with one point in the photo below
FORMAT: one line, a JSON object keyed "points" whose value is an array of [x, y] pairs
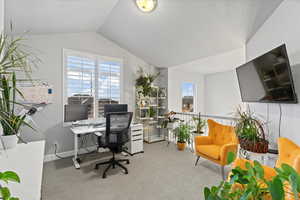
{"points": [[9, 141], [181, 146]]}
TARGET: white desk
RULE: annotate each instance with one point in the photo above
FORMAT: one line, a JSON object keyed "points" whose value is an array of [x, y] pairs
{"points": [[82, 130], [27, 161]]}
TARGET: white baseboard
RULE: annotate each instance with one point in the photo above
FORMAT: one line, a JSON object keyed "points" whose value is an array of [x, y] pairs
{"points": [[66, 154]]}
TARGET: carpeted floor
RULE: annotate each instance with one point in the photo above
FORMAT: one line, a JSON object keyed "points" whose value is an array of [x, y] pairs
{"points": [[160, 173]]}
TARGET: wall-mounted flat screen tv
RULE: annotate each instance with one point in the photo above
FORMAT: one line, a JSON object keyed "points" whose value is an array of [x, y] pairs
{"points": [[267, 78]]}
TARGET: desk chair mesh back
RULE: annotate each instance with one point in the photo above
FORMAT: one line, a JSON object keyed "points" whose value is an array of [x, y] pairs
{"points": [[117, 134]]}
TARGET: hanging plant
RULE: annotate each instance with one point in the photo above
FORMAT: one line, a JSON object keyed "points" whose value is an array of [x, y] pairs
{"points": [[250, 131], [144, 81]]}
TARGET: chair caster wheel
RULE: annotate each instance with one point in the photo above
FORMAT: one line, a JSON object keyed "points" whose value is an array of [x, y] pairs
{"points": [[127, 162], [126, 172], [104, 176]]}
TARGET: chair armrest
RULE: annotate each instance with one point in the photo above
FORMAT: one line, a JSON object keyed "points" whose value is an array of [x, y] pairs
{"points": [[296, 164], [203, 140], [232, 147]]}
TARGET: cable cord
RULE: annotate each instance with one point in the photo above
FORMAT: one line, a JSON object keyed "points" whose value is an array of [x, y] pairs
{"points": [[280, 117], [55, 153]]}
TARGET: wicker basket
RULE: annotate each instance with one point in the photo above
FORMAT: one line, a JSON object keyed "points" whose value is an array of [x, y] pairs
{"points": [[261, 145]]}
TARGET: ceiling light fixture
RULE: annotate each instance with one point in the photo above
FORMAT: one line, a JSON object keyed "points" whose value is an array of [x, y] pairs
{"points": [[146, 5]]}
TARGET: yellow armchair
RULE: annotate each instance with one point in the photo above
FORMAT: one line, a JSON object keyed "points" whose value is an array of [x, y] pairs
{"points": [[220, 141], [289, 153]]}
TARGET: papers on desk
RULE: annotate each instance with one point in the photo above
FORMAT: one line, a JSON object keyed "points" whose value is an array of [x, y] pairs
{"points": [[90, 122], [87, 129]]}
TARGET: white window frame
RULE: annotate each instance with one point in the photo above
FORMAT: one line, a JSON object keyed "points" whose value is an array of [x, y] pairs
{"points": [[194, 96], [65, 53]]}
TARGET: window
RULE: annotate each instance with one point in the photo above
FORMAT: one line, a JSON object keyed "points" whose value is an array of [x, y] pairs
{"points": [[188, 94], [92, 80]]}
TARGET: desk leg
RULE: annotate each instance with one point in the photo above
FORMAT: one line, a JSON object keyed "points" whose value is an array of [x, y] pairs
{"points": [[75, 158]]}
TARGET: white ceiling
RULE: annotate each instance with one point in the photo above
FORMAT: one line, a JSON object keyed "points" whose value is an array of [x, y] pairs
{"points": [[178, 31], [57, 16]]}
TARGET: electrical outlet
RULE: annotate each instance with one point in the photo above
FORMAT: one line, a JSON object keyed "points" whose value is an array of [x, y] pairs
{"points": [[56, 146]]}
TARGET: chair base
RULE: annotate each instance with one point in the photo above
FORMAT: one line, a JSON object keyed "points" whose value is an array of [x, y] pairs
{"points": [[222, 168], [112, 163]]}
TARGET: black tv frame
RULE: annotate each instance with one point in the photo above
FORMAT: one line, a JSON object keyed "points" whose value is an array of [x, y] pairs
{"points": [[295, 101]]}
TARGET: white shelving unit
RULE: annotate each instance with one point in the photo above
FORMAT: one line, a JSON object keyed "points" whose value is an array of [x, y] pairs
{"points": [[150, 112]]}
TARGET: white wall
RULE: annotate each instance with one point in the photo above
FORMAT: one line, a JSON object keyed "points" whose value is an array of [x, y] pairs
{"points": [[222, 95], [49, 50], [175, 78], [1, 15], [281, 27]]}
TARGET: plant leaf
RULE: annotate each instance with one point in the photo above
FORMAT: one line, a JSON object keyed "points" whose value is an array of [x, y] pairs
{"points": [[276, 189], [10, 176]]}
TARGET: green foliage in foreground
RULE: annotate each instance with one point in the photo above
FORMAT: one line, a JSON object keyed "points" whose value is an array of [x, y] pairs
{"points": [[253, 185], [5, 178]]}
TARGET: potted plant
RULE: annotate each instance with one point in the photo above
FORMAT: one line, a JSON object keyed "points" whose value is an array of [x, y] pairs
{"points": [[10, 121], [5, 178], [14, 56], [199, 125], [183, 135], [250, 131], [250, 184], [151, 112], [145, 82]]}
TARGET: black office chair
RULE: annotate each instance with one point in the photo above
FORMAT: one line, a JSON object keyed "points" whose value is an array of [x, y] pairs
{"points": [[117, 128]]}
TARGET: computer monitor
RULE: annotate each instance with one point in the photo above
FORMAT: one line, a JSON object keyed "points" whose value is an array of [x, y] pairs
{"points": [[75, 112], [110, 108]]}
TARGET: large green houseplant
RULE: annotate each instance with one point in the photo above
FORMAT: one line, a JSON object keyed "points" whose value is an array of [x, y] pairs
{"points": [[183, 135], [10, 121], [14, 57], [5, 178], [250, 184], [250, 131]]}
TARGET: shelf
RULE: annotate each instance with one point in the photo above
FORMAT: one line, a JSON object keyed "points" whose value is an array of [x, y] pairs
{"points": [[154, 105], [161, 107], [155, 138], [161, 117], [162, 97], [144, 108], [143, 118]]}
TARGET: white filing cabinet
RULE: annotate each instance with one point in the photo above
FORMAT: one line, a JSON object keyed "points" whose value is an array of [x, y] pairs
{"points": [[135, 144]]}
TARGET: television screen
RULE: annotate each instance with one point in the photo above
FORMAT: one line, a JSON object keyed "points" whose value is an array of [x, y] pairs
{"points": [[267, 78]]}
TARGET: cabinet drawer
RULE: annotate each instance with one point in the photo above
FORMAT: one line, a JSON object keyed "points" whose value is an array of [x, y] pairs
{"points": [[136, 130], [136, 136], [137, 146]]}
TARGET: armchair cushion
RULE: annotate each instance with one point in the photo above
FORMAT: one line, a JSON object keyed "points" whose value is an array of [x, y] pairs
{"points": [[289, 153], [203, 140], [221, 134], [212, 151]]}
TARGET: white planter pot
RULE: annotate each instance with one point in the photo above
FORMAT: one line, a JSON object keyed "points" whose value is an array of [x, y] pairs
{"points": [[9, 141]]}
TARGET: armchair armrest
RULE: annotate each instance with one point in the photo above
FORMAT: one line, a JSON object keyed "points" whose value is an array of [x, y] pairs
{"points": [[232, 147], [203, 140]]}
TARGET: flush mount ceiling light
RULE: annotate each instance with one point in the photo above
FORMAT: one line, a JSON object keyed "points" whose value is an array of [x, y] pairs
{"points": [[146, 5]]}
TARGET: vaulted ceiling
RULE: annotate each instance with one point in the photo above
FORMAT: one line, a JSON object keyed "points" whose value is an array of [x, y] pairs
{"points": [[178, 31]]}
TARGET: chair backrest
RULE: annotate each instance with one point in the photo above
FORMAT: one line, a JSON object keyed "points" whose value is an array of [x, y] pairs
{"points": [[221, 134], [117, 128], [289, 153]]}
